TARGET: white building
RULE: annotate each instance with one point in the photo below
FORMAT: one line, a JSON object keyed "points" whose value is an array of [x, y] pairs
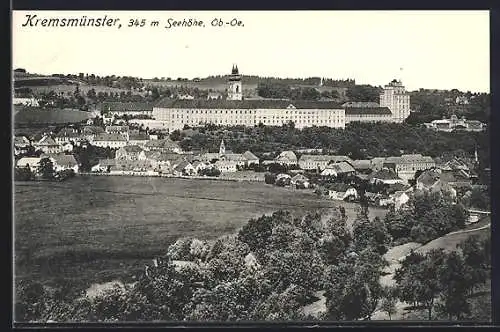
{"points": [[397, 99], [178, 113], [127, 108], [26, 102], [368, 114], [114, 141], [236, 111]]}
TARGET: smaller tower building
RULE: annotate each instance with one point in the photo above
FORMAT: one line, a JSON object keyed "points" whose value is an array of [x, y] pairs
{"points": [[235, 91]]}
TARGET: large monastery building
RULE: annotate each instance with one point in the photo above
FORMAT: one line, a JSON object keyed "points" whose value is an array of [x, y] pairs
{"points": [[235, 110]]}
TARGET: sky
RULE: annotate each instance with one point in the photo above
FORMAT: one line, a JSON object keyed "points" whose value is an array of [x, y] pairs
{"points": [[425, 49]]}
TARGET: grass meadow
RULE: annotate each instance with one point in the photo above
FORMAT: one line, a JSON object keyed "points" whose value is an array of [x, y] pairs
{"points": [[95, 229]]}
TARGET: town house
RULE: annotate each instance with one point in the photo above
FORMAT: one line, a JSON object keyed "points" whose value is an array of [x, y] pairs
{"points": [[128, 152], [48, 145]]}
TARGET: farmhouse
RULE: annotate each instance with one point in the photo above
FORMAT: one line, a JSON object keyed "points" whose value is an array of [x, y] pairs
{"points": [[300, 180], [62, 161], [113, 141], [315, 162], [122, 130], [48, 145], [104, 165], [163, 145], [31, 162], [287, 158], [90, 132], [341, 191], [385, 176], [184, 168], [250, 158], [342, 168], [138, 139], [128, 152], [67, 135]]}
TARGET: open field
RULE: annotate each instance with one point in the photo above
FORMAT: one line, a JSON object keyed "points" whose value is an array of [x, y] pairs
{"points": [[49, 116], [95, 229], [68, 89]]}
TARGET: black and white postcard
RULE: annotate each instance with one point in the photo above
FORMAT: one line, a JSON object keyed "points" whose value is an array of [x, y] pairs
{"points": [[251, 166]]}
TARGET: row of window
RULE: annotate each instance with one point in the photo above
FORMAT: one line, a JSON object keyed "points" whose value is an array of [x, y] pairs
{"points": [[299, 112]]}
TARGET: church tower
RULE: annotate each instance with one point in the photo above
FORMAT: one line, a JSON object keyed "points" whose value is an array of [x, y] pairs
{"points": [[235, 91], [222, 148]]}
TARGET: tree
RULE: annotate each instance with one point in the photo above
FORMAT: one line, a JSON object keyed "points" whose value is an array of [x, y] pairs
{"points": [[46, 168], [476, 259], [363, 93], [389, 301], [354, 288], [371, 234], [91, 94], [455, 284]]}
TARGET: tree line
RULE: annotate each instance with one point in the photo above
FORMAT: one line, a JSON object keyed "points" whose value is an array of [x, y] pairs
{"points": [[357, 140]]}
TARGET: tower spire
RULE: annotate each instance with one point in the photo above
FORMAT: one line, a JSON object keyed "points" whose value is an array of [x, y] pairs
{"points": [[222, 148]]}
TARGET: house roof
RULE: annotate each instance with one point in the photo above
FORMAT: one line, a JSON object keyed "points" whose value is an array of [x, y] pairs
{"points": [[412, 158], [245, 104], [367, 110], [182, 165], [428, 178], [132, 148], [209, 156], [92, 130], [28, 161], [342, 167], [67, 132], [138, 137], [126, 106], [250, 156], [47, 141], [289, 155], [61, 159], [361, 164], [397, 187], [392, 160], [385, 174], [234, 157], [318, 158], [107, 162], [300, 177], [21, 140], [162, 144], [109, 137], [338, 187], [120, 129]]}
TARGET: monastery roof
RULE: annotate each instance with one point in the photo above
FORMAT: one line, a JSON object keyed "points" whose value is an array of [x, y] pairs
{"points": [[245, 104], [367, 110]]}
